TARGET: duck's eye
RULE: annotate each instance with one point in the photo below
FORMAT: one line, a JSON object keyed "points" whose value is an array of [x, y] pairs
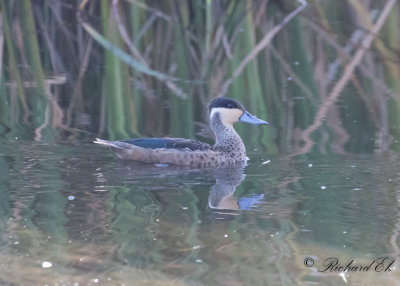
{"points": [[230, 105]]}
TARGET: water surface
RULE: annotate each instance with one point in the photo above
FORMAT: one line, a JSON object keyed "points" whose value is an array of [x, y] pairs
{"points": [[71, 214]]}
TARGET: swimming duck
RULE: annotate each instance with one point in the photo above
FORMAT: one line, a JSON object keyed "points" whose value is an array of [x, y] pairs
{"points": [[228, 148]]}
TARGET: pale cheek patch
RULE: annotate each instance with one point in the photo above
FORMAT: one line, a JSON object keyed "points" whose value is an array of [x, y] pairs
{"points": [[228, 116]]}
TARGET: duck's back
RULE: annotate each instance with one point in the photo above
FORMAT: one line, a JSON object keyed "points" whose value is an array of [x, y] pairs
{"points": [[169, 143]]}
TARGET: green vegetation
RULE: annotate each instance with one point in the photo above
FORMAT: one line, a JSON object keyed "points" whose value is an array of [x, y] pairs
{"points": [[125, 68]]}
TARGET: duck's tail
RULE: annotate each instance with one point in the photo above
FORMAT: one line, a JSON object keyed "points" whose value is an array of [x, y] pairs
{"points": [[128, 151], [107, 143]]}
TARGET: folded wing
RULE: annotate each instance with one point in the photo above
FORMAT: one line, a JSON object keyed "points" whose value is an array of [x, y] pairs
{"points": [[168, 143]]}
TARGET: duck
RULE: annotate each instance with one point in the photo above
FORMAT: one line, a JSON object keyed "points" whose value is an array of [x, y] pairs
{"points": [[223, 113]]}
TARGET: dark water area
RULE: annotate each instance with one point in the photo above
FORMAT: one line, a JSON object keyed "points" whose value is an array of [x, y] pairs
{"points": [[71, 214]]}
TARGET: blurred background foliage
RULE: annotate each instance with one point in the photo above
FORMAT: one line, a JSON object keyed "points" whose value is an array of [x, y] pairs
{"points": [[116, 69]]}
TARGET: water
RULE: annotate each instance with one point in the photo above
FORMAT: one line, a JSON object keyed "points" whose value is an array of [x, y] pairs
{"points": [[71, 214]]}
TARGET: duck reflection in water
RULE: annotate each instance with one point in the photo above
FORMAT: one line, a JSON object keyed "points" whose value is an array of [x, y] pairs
{"points": [[222, 204]]}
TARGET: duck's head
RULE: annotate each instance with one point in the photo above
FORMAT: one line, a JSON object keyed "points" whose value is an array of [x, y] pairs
{"points": [[231, 111]]}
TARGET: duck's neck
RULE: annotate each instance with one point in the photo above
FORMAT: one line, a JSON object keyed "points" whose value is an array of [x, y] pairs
{"points": [[226, 138]]}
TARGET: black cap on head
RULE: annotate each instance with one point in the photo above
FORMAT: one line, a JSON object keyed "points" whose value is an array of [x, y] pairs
{"points": [[224, 102]]}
